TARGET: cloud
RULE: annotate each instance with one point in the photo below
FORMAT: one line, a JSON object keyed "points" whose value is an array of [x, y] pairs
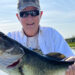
{"points": [[59, 16], [58, 11], [63, 5], [8, 26]]}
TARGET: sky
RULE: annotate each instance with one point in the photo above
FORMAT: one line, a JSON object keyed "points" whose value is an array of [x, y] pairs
{"points": [[58, 14]]}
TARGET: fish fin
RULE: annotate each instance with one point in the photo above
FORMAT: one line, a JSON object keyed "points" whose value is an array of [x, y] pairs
{"points": [[56, 56]]}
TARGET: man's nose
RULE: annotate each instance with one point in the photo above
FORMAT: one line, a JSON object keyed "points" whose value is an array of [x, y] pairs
{"points": [[30, 18]]}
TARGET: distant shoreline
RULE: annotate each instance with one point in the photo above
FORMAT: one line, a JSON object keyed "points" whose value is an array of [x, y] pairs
{"points": [[72, 44], [73, 47]]}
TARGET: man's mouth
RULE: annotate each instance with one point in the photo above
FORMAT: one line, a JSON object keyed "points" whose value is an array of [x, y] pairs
{"points": [[14, 64], [30, 24]]}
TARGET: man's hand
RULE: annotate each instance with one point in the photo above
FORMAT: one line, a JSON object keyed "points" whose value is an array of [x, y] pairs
{"points": [[71, 69], [72, 58]]}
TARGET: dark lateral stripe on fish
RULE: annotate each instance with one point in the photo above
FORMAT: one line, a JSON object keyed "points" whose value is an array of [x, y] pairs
{"points": [[21, 70]]}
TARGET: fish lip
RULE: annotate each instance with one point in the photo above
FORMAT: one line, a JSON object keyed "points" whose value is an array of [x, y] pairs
{"points": [[14, 64]]}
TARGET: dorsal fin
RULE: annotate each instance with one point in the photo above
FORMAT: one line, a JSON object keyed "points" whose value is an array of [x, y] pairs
{"points": [[56, 55]]}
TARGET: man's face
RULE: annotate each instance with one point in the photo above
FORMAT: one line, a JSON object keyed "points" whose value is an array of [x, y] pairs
{"points": [[30, 23]]}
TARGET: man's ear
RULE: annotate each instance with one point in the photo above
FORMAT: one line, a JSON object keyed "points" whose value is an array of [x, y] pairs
{"points": [[41, 13], [17, 15]]}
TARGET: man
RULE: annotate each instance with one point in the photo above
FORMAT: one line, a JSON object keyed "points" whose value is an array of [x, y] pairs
{"points": [[32, 36]]}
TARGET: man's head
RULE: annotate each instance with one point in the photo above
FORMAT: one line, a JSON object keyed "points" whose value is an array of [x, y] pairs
{"points": [[29, 15]]}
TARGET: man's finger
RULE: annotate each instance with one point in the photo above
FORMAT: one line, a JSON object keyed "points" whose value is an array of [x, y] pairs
{"points": [[67, 72]]}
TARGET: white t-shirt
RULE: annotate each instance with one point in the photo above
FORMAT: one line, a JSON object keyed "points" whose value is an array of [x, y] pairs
{"points": [[32, 42], [47, 40]]}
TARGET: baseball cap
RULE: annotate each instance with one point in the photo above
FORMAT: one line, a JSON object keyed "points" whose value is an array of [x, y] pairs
{"points": [[25, 3]]}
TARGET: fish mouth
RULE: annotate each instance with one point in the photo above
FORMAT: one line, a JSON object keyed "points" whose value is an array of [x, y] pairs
{"points": [[14, 64], [10, 61]]}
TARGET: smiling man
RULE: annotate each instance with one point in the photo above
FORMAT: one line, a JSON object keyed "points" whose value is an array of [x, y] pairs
{"points": [[40, 39]]}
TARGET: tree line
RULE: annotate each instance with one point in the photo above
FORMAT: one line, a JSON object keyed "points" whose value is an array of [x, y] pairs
{"points": [[72, 39]]}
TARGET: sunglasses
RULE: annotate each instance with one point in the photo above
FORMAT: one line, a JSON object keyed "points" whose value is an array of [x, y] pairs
{"points": [[25, 14]]}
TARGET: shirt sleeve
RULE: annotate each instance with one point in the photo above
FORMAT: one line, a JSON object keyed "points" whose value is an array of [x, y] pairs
{"points": [[61, 46], [11, 35]]}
